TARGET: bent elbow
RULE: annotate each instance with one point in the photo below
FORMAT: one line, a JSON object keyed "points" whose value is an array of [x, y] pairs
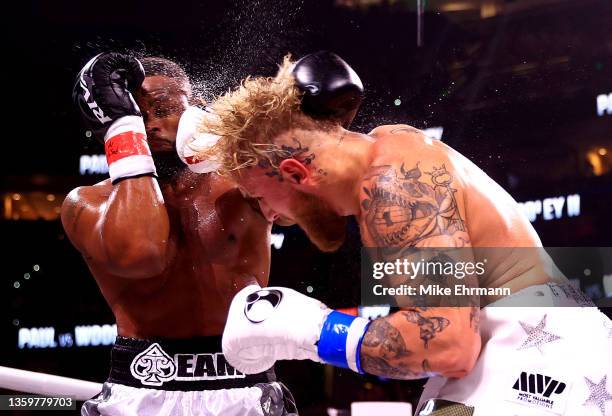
{"points": [[137, 260], [462, 357]]}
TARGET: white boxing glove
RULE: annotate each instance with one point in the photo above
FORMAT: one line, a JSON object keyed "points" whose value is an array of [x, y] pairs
{"points": [[188, 136], [276, 323]]}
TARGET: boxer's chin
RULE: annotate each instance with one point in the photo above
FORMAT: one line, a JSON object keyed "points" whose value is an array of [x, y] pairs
{"points": [[168, 164], [284, 222], [324, 228], [327, 240]]}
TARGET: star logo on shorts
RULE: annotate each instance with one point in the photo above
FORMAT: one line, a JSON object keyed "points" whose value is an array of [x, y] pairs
{"points": [[536, 336], [153, 366], [598, 395]]}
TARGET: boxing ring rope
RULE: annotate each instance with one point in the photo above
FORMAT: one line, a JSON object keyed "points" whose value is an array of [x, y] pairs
{"points": [[47, 384]]}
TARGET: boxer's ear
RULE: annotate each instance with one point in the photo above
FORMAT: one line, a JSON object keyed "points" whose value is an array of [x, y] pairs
{"points": [[294, 172]]}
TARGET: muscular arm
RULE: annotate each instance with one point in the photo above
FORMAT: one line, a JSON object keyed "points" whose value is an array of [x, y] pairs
{"points": [[405, 206], [124, 230]]}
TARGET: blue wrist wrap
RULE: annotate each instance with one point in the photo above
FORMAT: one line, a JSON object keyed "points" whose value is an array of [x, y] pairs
{"points": [[332, 342]]}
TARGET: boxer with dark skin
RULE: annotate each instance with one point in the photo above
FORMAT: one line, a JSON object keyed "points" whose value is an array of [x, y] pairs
{"points": [[168, 253], [169, 243]]}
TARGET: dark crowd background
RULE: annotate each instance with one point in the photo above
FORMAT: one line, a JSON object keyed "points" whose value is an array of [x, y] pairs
{"points": [[513, 83]]}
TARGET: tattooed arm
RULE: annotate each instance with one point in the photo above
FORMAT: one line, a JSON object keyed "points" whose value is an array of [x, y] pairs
{"points": [[404, 207], [417, 343]]}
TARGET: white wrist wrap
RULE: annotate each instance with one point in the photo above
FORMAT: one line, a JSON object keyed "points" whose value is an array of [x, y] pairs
{"points": [[127, 151], [353, 342]]}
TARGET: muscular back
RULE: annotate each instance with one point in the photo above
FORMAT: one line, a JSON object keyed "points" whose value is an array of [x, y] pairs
{"points": [[208, 243], [451, 203]]}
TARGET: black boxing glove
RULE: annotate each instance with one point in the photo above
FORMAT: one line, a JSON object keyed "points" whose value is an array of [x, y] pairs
{"points": [[331, 88], [102, 92], [103, 96]]}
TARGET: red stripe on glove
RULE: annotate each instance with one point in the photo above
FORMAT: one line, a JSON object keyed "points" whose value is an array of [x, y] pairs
{"points": [[126, 144]]}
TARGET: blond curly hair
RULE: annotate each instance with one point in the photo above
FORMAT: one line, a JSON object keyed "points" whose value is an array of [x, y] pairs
{"points": [[248, 119]]}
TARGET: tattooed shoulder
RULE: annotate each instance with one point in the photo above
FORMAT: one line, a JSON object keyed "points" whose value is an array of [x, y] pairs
{"points": [[404, 206]]}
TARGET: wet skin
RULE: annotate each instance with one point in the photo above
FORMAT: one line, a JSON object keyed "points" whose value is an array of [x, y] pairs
{"points": [[168, 255]]}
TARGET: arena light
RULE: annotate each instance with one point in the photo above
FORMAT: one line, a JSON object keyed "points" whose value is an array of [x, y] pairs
{"points": [[596, 158], [551, 208], [604, 104], [489, 9], [457, 6], [31, 206], [361, 3], [93, 165], [36, 338], [8, 207], [81, 336], [94, 335], [276, 240]]}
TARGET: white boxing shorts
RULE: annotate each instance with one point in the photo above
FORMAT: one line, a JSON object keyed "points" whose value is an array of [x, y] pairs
{"points": [[547, 350], [184, 377]]}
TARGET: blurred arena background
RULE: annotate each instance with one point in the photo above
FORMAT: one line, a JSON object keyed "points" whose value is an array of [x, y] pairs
{"points": [[521, 87]]}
